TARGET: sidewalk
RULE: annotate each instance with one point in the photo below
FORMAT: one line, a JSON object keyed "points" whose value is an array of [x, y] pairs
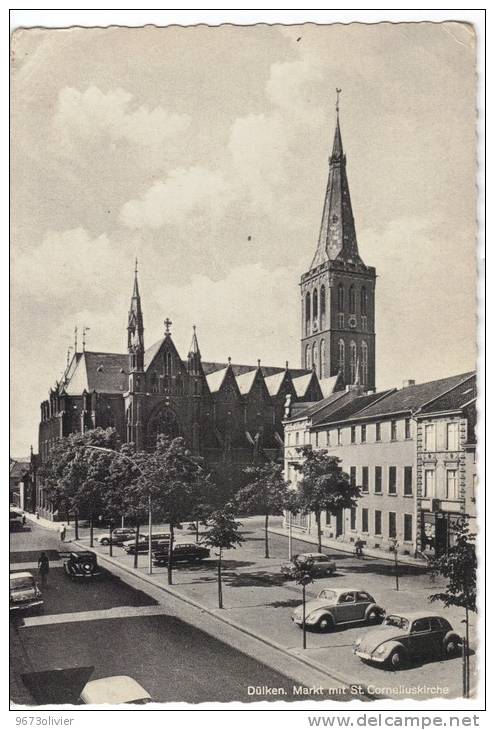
{"points": [[259, 603], [345, 547]]}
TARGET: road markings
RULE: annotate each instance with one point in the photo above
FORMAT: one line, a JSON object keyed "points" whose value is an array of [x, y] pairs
{"points": [[116, 612]]}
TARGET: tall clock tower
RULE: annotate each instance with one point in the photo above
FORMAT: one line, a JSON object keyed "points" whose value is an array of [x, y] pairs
{"points": [[338, 290]]}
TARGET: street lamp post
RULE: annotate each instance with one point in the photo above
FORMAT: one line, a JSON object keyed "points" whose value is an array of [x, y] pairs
{"points": [[290, 535], [131, 461]]}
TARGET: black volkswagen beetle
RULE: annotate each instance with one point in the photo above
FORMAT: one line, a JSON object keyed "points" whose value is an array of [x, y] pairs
{"points": [[82, 565]]}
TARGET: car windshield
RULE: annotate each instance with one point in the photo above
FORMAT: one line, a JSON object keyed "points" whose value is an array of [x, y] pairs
{"points": [[398, 621], [328, 595], [22, 582]]}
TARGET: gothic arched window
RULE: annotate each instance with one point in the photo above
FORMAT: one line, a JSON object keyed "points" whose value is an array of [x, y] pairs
{"points": [[364, 363], [315, 355], [308, 357], [323, 307], [154, 383], [308, 312], [322, 359], [352, 355], [342, 356], [364, 300], [352, 300], [340, 298], [167, 358], [315, 307]]}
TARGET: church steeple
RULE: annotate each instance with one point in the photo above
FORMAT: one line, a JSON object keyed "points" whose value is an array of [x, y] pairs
{"points": [[337, 239], [194, 355], [135, 328], [338, 290]]}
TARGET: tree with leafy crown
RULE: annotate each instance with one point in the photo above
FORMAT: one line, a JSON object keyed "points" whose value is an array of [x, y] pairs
{"points": [[266, 493], [222, 533], [323, 485]]}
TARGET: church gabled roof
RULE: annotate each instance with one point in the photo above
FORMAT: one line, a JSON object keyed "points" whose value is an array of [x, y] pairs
{"points": [[104, 372], [216, 379], [274, 382], [245, 381], [337, 239], [302, 383]]}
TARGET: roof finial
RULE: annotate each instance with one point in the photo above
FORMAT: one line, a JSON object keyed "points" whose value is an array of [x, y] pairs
{"points": [[229, 359], [75, 339], [136, 265], [168, 323], [85, 329], [339, 91], [286, 364]]}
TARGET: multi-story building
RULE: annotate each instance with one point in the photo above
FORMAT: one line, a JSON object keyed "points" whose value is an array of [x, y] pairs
{"points": [[410, 451]]}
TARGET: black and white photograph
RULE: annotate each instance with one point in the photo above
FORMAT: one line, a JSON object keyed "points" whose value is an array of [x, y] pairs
{"points": [[244, 447]]}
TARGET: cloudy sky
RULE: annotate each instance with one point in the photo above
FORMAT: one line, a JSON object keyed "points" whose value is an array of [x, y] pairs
{"points": [[176, 145]]}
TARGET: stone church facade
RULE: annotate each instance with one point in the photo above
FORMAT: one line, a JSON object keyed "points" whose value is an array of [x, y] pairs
{"points": [[230, 414]]}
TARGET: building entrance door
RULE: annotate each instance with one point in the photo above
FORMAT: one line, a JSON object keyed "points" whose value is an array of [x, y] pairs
{"points": [[441, 534]]}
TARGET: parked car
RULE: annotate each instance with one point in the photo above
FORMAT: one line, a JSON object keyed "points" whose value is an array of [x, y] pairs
{"points": [[16, 519], [114, 691], [407, 636], [119, 536], [82, 565], [24, 592], [319, 565], [336, 606], [157, 539], [187, 552]]}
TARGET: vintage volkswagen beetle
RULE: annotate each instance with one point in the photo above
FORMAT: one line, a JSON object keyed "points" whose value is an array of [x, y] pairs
{"points": [[335, 606], [406, 636], [114, 691], [24, 592], [319, 565], [82, 565]]}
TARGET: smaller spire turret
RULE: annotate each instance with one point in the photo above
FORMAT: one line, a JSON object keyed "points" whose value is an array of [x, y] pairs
{"points": [[135, 328], [194, 355]]}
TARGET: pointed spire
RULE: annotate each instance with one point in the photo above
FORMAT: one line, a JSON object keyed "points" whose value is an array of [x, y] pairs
{"points": [[337, 239], [194, 349], [135, 327], [194, 355]]}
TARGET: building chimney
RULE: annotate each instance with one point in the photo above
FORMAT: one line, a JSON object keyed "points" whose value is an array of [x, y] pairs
{"points": [[408, 383]]}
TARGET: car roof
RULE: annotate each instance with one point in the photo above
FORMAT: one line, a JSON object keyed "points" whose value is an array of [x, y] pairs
{"points": [[113, 690], [344, 590], [314, 555], [22, 574], [83, 554], [413, 615]]}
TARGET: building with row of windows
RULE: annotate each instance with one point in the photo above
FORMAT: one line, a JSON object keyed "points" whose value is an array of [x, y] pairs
{"points": [[411, 451]]}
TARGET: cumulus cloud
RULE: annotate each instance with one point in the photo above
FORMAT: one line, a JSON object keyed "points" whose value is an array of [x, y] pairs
{"points": [[84, 115], [195, 191], [66, 264]]}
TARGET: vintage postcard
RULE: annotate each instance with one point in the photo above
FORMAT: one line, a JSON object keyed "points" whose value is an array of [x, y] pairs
{"points": [[244, 366]]}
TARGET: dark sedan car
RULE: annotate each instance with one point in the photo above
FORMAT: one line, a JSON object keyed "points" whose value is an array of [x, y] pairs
{"points": [[82, 565], [158, 539], [119, 536], [407, 636], [182, 553]]}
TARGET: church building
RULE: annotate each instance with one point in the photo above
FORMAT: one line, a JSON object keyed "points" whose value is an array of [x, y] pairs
{"points": [[230, 414]]}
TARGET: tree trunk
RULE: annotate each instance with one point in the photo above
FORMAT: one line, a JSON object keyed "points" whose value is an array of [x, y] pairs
{"points": [[110, 539], [136, 544], [197, 530], [91, 532], [219, 576], [76, 526], [170, 551], [304, 615], [318, 529], [467, 654], [267, 554]]}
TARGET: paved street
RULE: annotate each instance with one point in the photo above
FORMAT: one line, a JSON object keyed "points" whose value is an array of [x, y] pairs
{"points": [[257, 599], [121, 630]]}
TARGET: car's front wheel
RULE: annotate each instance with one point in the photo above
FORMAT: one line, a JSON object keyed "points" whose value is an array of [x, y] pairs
{"points": [[397, 659], [452, 647], [325, 623], [373, 616], [104, 541]]}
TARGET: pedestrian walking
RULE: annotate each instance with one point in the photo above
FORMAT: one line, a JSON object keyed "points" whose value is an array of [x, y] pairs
{"points": [[43, 567], [359, 544], [62, 533]]}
